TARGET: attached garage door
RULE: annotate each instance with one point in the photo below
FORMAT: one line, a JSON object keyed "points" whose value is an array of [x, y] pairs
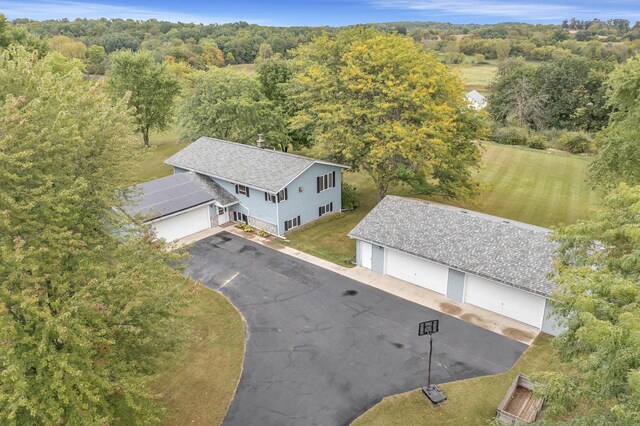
{"points": [[508, 301], [417, 271], [183, 224]]}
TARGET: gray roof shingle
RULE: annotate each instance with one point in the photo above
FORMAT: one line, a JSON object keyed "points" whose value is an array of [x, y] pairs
{"points": [[264, 169], [509, 252], [172, 194], [477, 97]]}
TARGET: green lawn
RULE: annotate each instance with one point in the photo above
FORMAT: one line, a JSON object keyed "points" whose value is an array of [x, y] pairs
{"points": [[539, 187], [161, 147], [470, 402], [198, 385]]}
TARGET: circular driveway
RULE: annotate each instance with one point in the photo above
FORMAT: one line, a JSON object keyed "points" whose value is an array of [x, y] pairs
{"points": [[323, 348]]}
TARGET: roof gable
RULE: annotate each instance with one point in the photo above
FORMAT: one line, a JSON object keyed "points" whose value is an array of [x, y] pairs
{"points": [[260, 168], [510, 252]]}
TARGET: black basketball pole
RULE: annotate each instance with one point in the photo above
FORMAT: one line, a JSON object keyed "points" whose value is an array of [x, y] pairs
{"points": [[435, 395], [430, 351]]}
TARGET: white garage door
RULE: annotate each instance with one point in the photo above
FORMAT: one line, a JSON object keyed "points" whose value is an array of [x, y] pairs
{"points": [[417, 271], [508, 301], [183, 224]]}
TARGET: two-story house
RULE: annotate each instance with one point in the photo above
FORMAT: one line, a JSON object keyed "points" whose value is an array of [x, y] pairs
{"points": [[217, 181]]}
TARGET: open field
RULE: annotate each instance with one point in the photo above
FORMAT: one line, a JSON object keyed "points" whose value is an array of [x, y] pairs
{"points": [[476, 76], [543, 188], [246, 69], [198, 385], [470, 402]]}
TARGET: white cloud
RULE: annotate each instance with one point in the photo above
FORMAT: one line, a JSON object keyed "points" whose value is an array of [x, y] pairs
{"points": [[58, 9], [501, 9]]}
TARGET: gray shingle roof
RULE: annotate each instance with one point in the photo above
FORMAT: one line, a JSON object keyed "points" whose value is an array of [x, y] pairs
{"points": [[509, 252], [172, 194], [477, 97], [245, 164]]}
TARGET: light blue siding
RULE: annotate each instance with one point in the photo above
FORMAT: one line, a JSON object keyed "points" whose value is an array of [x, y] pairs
{"points": [[254, 205], [303, 198], [549, 322]]}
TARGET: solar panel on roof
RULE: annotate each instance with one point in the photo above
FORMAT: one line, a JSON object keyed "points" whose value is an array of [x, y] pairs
{"points": [[165, 196]]}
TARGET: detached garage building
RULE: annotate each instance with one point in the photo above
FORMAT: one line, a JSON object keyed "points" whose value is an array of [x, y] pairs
{"points": [[497, 264], [179, 205]]}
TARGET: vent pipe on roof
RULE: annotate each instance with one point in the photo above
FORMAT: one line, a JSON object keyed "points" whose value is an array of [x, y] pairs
{"points": [[260, 143]]}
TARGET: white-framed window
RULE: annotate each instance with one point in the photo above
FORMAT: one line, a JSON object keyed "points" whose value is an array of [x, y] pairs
{"points": [[291, 223], [242, 190], [328, 208], [326, 181], [240, 217], [281, 196]]}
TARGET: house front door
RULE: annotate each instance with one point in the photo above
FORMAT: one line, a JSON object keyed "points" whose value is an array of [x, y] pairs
{"points": [[223, 215]]}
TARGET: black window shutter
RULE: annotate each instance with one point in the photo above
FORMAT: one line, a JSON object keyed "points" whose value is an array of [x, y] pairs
{"points": [[236, 188], [266, 196], [334, 178], [319, 179], [331, 206], [286, 194], [319, 211], [247, 190], [298, 220]]}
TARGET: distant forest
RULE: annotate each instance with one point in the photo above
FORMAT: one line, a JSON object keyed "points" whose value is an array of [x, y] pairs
{"points": [[203, 46]]}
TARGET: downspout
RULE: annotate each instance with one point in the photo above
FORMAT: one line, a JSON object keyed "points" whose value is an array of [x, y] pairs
{"points": [[277, 215]]}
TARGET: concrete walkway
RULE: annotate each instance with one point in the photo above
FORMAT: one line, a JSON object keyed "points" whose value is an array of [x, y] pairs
{"points": [[481, 317]]}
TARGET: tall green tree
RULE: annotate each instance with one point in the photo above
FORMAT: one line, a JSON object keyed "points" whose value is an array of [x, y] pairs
{"points": [[265, 52], [618, 157], [566, 93], [96, 58], [515, 97], [380, 103], [598, 274], [85, 316], [150, 86], [274, 75], [230, 106], [4, 36]]}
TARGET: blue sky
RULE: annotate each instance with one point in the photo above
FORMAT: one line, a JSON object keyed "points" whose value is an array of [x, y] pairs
{"points": [[327, 12]]}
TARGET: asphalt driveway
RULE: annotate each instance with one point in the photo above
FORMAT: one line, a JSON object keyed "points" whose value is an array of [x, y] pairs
{"points": [[323, 348]]}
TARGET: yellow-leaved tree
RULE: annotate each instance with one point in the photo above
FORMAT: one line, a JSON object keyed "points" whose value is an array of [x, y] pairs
{"points": [[381, 103]]}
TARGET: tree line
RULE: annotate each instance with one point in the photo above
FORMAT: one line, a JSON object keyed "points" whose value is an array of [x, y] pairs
{"points": [[205, 46]]}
